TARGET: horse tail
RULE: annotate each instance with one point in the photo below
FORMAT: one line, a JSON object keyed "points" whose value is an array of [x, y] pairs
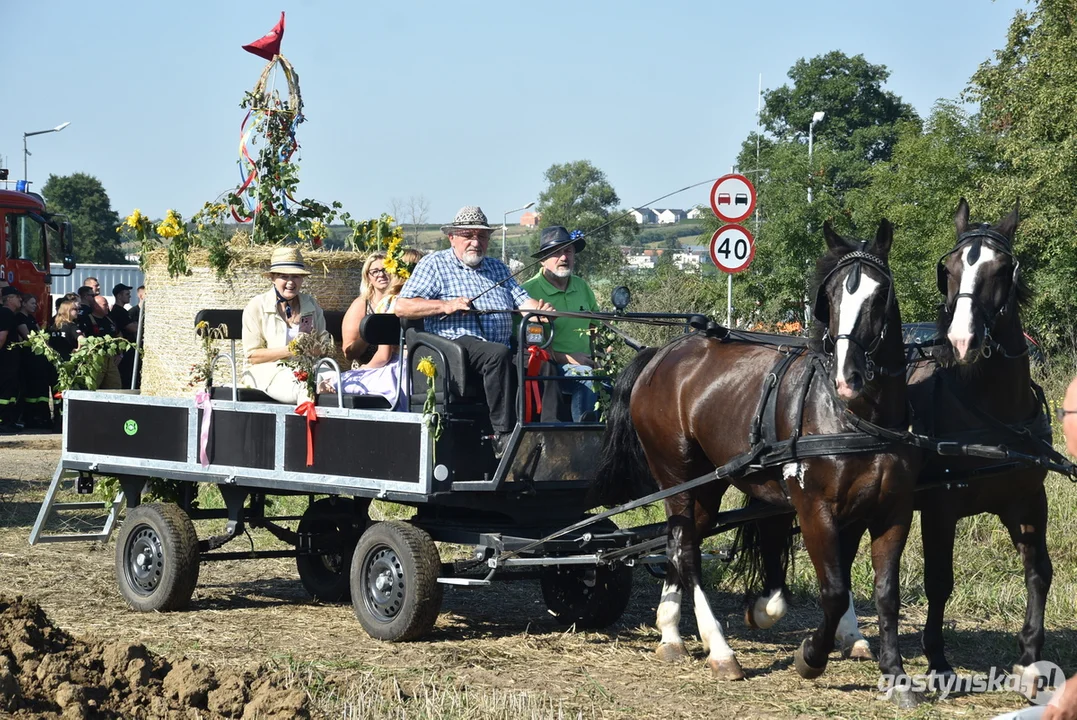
{"points": [[756, 545], [623, 473]]}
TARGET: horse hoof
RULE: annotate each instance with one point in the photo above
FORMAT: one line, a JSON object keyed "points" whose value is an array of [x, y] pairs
{"points": [[672, 652], [805, 670], [749, 618], [726, 668], [859, 650], [907, 699]]}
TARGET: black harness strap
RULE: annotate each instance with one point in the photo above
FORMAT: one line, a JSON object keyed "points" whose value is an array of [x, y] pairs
{"points": [[767, 421]]}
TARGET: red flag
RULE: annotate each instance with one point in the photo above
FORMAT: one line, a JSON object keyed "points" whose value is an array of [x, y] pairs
{"points": [[268, 45]]}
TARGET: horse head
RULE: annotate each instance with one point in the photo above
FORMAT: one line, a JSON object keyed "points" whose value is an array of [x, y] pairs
{"points": [[856, 307], [980, 279]]}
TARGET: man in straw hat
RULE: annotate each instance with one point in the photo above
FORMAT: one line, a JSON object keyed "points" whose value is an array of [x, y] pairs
{"points": [[273, 319], [555, 283], [447, 284]]}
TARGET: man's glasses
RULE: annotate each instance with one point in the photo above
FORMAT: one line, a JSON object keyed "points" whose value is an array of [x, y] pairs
{"points": [[1061, 413], [473, 235]]}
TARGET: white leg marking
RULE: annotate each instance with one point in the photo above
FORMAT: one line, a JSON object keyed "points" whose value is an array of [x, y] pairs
{"points": [[961, 330], [769, 609], [669, 615], [849, 630], [710, 632], [852, 303]]}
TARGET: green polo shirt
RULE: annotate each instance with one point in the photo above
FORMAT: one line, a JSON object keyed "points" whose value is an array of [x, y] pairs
{"points": [[569, 334]]}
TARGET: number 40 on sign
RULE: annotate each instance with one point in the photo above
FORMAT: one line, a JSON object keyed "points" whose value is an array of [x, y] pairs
{"points": [[732, 249]]}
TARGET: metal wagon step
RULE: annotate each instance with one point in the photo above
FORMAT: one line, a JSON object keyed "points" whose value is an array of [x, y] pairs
{"points": [[66, 480]]}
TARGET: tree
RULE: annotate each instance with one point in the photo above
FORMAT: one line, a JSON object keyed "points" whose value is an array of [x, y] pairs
{"points": [[918, 190], [83, 200], [412, 214], [578, 197], [1026, 97], [859, 130]]}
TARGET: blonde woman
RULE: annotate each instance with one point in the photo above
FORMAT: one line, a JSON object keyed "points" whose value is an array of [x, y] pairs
{"points": [[273, 319], [373, 290], [380, 375]]}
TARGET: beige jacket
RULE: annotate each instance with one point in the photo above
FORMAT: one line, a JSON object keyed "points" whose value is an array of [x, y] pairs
{"points": [[263, 327]]}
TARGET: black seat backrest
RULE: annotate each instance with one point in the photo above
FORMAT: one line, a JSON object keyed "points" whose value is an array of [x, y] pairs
{"points": [[334, 325], [380, 329], [232, 320], [448, 357]]}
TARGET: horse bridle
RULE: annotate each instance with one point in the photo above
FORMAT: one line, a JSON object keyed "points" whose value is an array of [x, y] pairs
{"points": [[852, 281], [980, 236]]}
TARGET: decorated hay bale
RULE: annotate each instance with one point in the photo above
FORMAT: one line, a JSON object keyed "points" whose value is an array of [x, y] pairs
{"points": [[171, 346]]}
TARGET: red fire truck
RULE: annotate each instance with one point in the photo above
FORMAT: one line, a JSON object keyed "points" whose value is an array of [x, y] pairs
{"points": [[28, 234]]}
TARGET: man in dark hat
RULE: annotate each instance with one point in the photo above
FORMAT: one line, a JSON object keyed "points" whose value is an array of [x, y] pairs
{"points": [[446, 285], [10, 304], [555, 283]]}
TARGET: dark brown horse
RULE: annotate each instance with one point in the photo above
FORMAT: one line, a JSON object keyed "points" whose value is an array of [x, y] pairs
{"points": [[699, 402], [986, 394], [980, 389]]}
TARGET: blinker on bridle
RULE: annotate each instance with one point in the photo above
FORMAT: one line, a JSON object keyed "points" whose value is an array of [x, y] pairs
{"points": [[980, 236], [852, 282]]}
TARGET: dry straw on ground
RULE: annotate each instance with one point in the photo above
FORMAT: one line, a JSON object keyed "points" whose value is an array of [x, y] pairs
{"points": [[171, 347]]}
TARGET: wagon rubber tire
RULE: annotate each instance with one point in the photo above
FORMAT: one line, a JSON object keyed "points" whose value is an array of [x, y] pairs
{"points": [[326, 577], [592, 598], [157, 558], [394, 581]]}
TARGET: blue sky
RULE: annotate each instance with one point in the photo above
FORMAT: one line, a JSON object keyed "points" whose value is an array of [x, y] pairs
{"points": [[463, 103]]}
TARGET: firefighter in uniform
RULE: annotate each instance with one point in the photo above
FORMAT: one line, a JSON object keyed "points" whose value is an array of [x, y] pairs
{"points": [[11, 300]]}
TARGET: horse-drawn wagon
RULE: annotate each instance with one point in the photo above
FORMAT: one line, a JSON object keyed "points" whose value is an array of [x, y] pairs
{"points": [[352, 450], [820, 429]]}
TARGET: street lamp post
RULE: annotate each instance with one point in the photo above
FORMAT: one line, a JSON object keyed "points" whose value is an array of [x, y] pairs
{"points": [[26, 151], [504, 224], [811, 127]]}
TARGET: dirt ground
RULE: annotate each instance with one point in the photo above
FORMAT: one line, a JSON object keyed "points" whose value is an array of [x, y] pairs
{"points": [[491, 642]]}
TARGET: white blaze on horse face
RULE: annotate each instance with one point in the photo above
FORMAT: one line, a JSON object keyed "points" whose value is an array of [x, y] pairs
{"points": [[669, 615], [961, 330], [710, 632], [852, 304]]}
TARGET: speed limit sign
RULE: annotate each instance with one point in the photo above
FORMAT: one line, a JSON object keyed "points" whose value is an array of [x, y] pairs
{"points": [[732, 249]]}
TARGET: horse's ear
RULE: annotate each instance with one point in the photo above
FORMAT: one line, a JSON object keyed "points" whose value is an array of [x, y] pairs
{"points": [[1008, 225], [961, 220], [884, 238], [833, 240]]}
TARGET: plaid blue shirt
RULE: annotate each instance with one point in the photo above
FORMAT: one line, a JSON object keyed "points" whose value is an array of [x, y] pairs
{"points": [[441, 276]]}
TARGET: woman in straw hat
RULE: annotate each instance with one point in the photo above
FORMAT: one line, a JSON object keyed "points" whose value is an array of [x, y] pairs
{"points": [[273, 319]]}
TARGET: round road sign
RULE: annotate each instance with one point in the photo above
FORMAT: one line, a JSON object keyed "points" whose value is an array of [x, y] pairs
{"points": [[733, 198], [732, 249]]}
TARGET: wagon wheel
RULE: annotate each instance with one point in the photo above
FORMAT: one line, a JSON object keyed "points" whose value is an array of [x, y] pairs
{"points": [[331, 522], [394, 581], [157, 558], [589, 597]]}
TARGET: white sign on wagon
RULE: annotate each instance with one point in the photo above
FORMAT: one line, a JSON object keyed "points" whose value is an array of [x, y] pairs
{"points": [[733, 198], [732, 248]]}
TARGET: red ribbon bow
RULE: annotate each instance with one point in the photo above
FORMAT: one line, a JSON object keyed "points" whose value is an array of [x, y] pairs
{"points": [[532, 394], [310, 412]]}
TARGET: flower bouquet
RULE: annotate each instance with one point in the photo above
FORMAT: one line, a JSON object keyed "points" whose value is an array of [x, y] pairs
{"points": [[307, 349]]}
